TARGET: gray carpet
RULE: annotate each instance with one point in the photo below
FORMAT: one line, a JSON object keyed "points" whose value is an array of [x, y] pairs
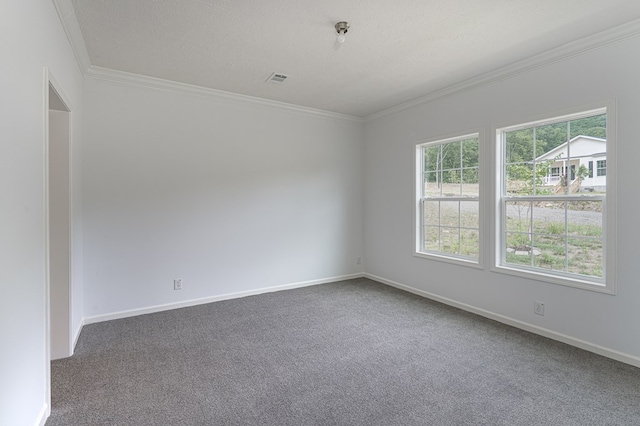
{"points": [[349, 353]]}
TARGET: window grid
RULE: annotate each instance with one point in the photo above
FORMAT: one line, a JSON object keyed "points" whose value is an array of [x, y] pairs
{"points": [[536, 237], [436, 202]]}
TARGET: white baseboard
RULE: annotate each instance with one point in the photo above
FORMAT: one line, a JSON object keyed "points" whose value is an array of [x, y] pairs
{"points": [[201, 301], [43, 416], [588, 346]]}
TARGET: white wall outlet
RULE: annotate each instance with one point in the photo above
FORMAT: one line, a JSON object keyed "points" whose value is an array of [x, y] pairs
{"points": [[538, 308], [358, 260], [177, 284]]}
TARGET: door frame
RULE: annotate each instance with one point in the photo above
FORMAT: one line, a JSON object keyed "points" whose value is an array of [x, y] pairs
{"points": [[51, 82]]}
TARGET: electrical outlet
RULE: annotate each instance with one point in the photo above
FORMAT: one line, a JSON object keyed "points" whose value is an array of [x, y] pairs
{"points": [[177, 284], [538, 308], [358, 260]]}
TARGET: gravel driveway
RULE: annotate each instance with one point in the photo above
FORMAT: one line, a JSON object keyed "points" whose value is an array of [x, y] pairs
{"points": [[581, 217]]}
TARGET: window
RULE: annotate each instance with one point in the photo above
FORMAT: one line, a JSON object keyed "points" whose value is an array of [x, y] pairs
{"points": [[554, 229], [601, 168], [448, 206]]}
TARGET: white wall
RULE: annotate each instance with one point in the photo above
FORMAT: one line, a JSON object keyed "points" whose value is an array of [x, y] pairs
{"points": [[606, 73], [31, 37], [234, 198], [227, 196]]}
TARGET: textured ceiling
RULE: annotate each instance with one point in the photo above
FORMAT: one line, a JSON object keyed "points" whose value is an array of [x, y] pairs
{"points": [[394, 52]]}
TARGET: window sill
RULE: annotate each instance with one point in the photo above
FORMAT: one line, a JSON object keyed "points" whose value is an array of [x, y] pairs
{"points": [[461, 261], [555, 279]]}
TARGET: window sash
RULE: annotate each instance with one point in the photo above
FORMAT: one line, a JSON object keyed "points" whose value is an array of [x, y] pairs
{"points": [[531, 232], [440, 226], [557, 276], [461, 168]]}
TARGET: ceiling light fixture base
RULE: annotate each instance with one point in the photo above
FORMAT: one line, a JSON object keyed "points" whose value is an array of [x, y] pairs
{"points": [[341, 28]]}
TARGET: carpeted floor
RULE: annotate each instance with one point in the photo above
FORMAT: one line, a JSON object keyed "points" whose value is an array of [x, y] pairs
{"points": [[349, 353]]}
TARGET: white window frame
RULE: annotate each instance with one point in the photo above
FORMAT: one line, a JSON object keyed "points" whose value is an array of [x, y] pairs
{"points": [[599, 169], [418, 228], [607, 284]]}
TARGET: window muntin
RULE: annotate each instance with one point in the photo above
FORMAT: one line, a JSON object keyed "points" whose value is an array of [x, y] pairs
{"points": [[448, 205], [552, 208]]}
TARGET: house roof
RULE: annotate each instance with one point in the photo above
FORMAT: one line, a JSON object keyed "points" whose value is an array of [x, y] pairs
{"points": [[551, 154]]}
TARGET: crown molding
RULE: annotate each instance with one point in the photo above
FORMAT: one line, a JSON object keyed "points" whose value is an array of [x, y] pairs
{"points": [[71, 27], [108, 74], [578, 47], [67, 16]]}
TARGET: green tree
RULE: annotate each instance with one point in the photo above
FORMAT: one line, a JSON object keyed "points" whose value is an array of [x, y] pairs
{"points": [[520, 143], [453, 162], [595, 126], [522, 180]]}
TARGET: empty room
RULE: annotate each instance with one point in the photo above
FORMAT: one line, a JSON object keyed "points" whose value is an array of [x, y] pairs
{"points": [[225, 212]]}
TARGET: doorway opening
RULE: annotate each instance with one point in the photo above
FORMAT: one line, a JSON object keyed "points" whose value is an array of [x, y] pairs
{"points": [[59, 338], [59, 186]]}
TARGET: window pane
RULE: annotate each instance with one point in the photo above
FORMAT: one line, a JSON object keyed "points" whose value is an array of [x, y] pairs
{"points": [[451, 186], [431, 158], [585, 256], [451, 155], [431, 211], [595, 126], [585, 218], [586, 152], [432, 185], [519, 147], [588, 149], [549, 218], [549, 178], [519, 243], [470, 214], [549, 252], [449, 213], [449, 240], [597, 184], [431, 238], [469, 242], [519, 179], [470, 153], [518, 249], [518, 216], [470, 186], [550, 136]]}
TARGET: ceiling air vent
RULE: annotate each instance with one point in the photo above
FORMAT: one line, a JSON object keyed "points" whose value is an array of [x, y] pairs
{"points": [[276, 78]]}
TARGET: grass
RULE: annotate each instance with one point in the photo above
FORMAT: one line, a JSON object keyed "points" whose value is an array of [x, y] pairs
{"points": [[578, 249], [458, 230]]}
